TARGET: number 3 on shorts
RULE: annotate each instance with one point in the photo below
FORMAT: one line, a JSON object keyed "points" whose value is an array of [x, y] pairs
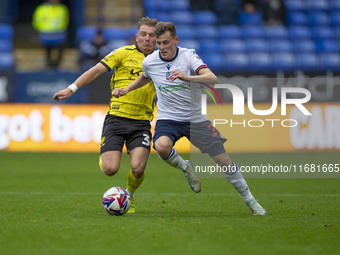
{"points": [[146, 140]]}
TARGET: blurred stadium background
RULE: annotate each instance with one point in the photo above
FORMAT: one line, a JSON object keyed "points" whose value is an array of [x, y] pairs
{"points": [[303, 51]]}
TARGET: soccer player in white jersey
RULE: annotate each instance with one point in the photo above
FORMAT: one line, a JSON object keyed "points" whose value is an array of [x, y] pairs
{"points": [[171, 68]]}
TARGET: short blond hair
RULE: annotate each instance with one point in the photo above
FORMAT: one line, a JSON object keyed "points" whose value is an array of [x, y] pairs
{"points": [[147, 22]]}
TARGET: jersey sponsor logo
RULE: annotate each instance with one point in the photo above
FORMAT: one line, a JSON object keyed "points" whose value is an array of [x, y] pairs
{"points": [[132, 72], [115, 106], [173, 88]]}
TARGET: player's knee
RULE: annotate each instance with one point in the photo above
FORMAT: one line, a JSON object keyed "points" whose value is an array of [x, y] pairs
{"points": [[163, 149], [109, 170], [138, 168]]}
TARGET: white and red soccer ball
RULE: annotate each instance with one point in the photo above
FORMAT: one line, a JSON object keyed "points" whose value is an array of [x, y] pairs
{"points": [[116, 201]]}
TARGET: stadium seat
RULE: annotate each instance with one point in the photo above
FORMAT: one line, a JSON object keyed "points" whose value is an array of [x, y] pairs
{"points": [[186, 32], [295, 5], [299, 32], [236, 62], [256, 45], [6, 45], [113, 33], [115, 44], [230, 31], [250, 19], [329, 61], [318, 18], [280, 45], [252, 31], [149, 6], [205, 18], [86, 33], [307, 61], [190, 44], [6, 60], [180, 5], [208, 31], [335, 18], [181, 17], [337, 33], [334, 4], [209, 46], [162, 16], [233, 45], [319, 5], [213, 60], [276, 32], [260, 62], [327, 46], [322, 32], [297, 18], [284, 61], [303, 45], [6, 31]]}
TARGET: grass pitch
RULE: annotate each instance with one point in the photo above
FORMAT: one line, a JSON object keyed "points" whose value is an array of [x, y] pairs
{"points": [[51, 204]]}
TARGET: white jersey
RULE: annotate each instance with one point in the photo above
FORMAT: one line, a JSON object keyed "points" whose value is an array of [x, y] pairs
{"points": [[176, 100]]}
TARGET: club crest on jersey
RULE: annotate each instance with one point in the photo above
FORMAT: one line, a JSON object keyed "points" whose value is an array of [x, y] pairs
{"points": [[168, 74]]}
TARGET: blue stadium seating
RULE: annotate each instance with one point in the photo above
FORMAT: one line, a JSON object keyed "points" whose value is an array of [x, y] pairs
{"points": [[303, 45], [296, 5], [261, 62], [330, 61], [299, 32], [236, 62], [322, 32], [334, 4], [256, 45], [208, 31], [181, 18], [284, 61], [233, 45], [335, 18], [327, 46], [230, 31], [318, 18], [276, 32], [297, 18], [210, 46], [252, 31], [86, 33], [280, 45], [6, 45], [190, 44], [112, 33], [307, 61], [320, 5], [6, 60], [205, 18], [213, 60], [186, 32]]}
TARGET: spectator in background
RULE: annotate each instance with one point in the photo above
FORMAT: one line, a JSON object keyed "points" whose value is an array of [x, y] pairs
{"points": [[250, 6], [50, 20], [227, 11], [274, 12], [92, 51], [199, 5]]}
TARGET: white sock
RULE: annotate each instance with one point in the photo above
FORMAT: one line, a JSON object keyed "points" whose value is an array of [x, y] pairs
{"points": [[236, 179], [175, 160]]}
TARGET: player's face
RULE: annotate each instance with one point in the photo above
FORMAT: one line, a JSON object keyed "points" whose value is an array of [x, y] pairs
{"points": [[167, 45], [146, 39]]}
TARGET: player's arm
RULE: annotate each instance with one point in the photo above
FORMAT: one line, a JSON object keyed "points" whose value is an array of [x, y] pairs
{"points": [[82, 80], [140, 81], [204, 75]]}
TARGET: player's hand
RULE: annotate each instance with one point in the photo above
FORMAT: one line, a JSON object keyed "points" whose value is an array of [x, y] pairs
{"points": [[117, 92], [62, 94], [178, 74]]}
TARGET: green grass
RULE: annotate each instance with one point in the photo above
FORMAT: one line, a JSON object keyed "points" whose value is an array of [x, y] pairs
{"points": [[51, 204]]}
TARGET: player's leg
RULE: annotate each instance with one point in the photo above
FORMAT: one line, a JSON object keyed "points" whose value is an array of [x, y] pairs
{"points": [[168, 154], [109, 162], [138, 143]]}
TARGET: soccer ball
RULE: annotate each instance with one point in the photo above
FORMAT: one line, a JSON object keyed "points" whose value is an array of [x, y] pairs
{"points": [[116, 201]]}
